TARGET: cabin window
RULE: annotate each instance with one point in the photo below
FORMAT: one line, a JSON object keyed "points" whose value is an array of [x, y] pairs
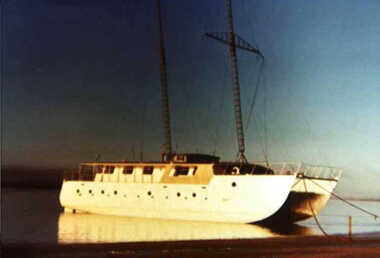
{"points": [[181, 171], [109, 169], [246, 170], [86, 173], [98, 169], [148, 170], [86, 169], [128, 170], [261, 170]]}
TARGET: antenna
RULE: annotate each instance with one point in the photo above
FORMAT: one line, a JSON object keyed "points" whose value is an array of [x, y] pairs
{"points": [[236, 87], [167, 145]]}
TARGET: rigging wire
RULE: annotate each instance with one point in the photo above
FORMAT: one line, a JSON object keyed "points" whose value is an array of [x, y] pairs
{"points": [[264, 142], [312, 211], [222, 104], [266, 155], [335, 195], [263, 149], [251, 114], [345, 201], [254, 96], [260, 82], [261, 65]]}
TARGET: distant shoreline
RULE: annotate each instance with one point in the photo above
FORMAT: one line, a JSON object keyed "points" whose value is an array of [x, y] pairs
{"points": [[32, 177]]}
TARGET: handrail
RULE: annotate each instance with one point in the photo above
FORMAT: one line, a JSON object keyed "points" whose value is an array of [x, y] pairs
{"points": [[310, 170]]}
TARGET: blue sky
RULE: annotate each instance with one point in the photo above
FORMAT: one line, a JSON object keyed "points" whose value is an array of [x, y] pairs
{"points": [[83, 78]]}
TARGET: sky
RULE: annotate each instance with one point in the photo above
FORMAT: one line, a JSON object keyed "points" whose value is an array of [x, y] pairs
{"points": [[81, 78]]}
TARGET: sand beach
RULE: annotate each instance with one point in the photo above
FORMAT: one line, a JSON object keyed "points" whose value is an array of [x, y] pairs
{"points": [[365, 245]]}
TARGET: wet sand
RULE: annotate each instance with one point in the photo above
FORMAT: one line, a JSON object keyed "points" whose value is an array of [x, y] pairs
{"points": [[366, 245]]}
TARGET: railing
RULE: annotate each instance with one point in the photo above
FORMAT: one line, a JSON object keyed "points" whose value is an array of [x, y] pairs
{"points": [[286, 168]]}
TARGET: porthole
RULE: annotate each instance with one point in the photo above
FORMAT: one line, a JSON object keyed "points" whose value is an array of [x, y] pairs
{"points": [[206, 198], [178, 194], [90, 191], [78, 191], [149, 193], [115, 192], [138, 196], [233, 184], [102, 192], [194, 195]]}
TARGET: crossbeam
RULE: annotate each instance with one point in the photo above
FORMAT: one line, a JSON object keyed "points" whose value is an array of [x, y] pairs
{"points": [[239, 42]]}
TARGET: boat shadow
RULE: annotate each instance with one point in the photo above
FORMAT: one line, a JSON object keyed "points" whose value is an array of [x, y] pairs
{"points": [[290, 229]]}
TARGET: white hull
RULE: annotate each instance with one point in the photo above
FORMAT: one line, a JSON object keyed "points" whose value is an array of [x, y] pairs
{"points": [[254, 198], [309, 193], [314, 185], [307, 198], [316, 193]]}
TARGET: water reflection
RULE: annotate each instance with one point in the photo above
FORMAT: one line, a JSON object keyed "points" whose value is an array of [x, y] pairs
{"points": [[99, 228]]}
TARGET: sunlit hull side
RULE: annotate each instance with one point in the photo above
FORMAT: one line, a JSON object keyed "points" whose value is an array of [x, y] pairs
{"points": [[307, 197], [253, 198]]}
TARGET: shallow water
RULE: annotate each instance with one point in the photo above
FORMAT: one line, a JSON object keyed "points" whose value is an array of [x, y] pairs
{"points": [[35, 216], [334, 218]]}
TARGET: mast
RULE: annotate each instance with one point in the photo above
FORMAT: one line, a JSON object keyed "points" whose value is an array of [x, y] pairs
{"points": [[167, 145], [235, 87]]}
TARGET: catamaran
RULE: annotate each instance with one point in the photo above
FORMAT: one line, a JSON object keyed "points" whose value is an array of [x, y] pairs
{"points": [[183, 186]]}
